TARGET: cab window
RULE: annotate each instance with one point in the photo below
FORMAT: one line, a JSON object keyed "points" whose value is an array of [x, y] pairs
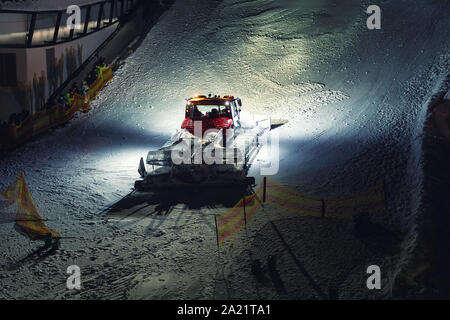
{"points": [[199, 112]]}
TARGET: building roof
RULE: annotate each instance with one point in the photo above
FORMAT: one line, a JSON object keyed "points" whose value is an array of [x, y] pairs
{"points": [[42, 5]]}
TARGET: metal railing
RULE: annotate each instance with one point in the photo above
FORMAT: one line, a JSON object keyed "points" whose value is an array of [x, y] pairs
{"points": [[49, 27]]}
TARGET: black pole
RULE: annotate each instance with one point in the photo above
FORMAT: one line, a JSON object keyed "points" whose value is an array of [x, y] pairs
{"points": [[58, 23], [217, 231], [100, 15], [31, 31], [264, 189], [111, 11], [88, 17], [245, 214], [72, 31]]}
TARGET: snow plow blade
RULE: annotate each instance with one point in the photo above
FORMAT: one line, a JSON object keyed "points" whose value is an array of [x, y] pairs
{"points": [[159, 183]]}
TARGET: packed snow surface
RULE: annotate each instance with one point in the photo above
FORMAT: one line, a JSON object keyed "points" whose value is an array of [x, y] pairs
{"points": [[355, 100]]}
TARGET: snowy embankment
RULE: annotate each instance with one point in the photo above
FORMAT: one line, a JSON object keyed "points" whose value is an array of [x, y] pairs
{"points": [[356, 101]]}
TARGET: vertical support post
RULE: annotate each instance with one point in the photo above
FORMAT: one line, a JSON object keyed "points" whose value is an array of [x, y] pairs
{"points": [[122, 7], [217, 231], [31, 31], [72, 31], [245, 213], [100, 15], [111, 11], [264, 189], [88, 17], [58, 23]]}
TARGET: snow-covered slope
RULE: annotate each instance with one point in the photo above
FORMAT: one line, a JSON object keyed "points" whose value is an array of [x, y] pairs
{"points": [[355, 100]]}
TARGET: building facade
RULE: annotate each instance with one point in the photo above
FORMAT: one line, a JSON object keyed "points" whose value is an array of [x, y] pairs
{"points": [[39, 50]]}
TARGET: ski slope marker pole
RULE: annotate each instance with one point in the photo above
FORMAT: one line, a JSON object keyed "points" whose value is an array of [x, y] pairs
{"points": [[264, 189], [245, 214], [217, 231]]}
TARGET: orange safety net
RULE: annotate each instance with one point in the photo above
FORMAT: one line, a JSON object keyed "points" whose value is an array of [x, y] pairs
{"points": [[45, 119], [230, 223], [371, 200], [291, 200], [104, 77], [234, 220], [253, 203], [27, 219]]}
